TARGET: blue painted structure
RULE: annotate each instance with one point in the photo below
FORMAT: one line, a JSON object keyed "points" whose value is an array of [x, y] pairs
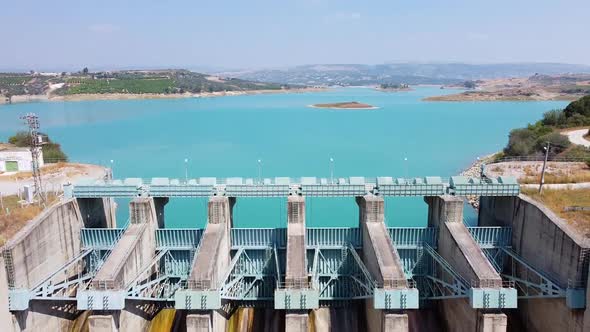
{"points": [[285, 186], [334, 267]]}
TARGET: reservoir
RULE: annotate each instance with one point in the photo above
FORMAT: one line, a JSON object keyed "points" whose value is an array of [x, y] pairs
{"points": [[227, 136]]}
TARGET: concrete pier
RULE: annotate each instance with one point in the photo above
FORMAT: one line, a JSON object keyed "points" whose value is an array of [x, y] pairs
{"points": [[133, 253], [211, 263], [159, 204], [135, 248], [296, 270], [383, 262], [458, 248]]}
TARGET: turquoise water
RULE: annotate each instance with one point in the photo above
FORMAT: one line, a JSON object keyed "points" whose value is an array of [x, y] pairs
{"points": [[226, 136]]}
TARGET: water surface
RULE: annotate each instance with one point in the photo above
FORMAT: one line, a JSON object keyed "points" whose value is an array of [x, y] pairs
{"points": [[226, 136]]}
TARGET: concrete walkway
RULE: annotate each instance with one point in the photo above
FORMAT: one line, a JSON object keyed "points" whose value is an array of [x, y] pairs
{"points": [[53, 181], [577, 137]]}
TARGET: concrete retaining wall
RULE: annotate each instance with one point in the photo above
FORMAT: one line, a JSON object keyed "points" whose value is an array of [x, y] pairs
{"points": [[549, 244], [44, 245]]}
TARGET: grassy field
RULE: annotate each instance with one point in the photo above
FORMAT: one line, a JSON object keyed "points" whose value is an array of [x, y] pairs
{"points": [[557, 178], [14, 216], [14, 80], [139, 86], [558, 200]]}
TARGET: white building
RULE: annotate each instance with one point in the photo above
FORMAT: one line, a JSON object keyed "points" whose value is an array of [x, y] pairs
{"points": [[15, 159]]}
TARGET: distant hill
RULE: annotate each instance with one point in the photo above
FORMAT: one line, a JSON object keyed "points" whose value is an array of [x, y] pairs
{"points": [[169, 81], [398, 73]]}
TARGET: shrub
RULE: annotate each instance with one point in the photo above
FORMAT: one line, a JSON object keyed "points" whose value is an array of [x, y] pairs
{"points": [[520, 142], [577, 152], [580, 106], [52, 152], [554, 118], [558, 142]]}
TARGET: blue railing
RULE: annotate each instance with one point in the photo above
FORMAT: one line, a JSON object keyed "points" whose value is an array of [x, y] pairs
{"points": [[333, 237], [491, 237], [412, 237], [100, 238], [178, 238], [258, 237]]}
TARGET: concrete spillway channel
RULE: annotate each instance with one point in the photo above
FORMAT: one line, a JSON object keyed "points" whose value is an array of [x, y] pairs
{"points": [[523, 268]]}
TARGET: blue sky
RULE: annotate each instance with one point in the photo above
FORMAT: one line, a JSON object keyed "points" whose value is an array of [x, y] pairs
{"points": [[70, 34]]}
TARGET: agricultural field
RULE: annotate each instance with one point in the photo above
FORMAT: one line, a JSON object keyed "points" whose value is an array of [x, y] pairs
{"points": [[137, 86], [126, 82]]}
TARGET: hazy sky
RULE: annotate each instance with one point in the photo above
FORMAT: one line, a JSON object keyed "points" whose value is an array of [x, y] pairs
{"points": [[69, 34]]}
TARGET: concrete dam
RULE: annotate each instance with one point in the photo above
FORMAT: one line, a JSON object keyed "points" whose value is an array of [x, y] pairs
{"points": [[72, 269]]}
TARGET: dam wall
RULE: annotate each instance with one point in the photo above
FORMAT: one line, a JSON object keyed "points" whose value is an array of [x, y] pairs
{"points": [[547, 243], [36, 251], [460, 250]]}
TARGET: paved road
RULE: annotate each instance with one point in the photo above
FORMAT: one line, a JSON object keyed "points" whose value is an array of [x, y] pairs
{"points": [[54, 181], [577, 137], [559, 186]]}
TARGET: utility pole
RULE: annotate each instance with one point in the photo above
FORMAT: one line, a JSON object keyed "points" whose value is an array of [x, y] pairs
{"points": [[186, 169], [260, 171], [331, 170], [32, 120], [544, 165]]}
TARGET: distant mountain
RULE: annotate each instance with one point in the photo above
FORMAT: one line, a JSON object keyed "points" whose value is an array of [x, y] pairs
{"points": [[397, 73]]}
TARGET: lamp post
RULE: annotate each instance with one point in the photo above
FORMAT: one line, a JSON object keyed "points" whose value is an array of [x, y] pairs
{"points": [[406, 167], [546, 148], [260, 171], [186, 169], [331, 170], [112, 172]]}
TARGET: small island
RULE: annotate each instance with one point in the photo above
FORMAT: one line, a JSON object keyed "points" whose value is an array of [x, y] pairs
{"points": [[348, 105], [393, 87]]}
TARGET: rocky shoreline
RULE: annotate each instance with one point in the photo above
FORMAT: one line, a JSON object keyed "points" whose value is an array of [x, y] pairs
{"points": [[474, 171], [130, 96]]}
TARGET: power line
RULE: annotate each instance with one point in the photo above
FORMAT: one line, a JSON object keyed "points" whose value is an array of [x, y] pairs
{"points": [[32, 120]]}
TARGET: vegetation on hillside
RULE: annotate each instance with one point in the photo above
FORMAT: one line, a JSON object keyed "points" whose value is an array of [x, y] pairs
{"points": [[394, 86], [14, 216], [52, 152], [133, 82], [531, 140], [25, 84], [559, 200]]}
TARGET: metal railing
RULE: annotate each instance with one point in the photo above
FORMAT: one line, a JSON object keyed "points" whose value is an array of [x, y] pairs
{"points": [[178, 238], [259, 237], [296, 284], [336, 237], [100, 238], [491, 283], [411, 237], [539, 158], [492, 237]]}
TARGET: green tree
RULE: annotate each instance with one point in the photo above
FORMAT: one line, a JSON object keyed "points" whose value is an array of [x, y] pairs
{"points": [[85, 71], [52, 152], [469, 84], [580, 106], [554, 118], [559, 143]]}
